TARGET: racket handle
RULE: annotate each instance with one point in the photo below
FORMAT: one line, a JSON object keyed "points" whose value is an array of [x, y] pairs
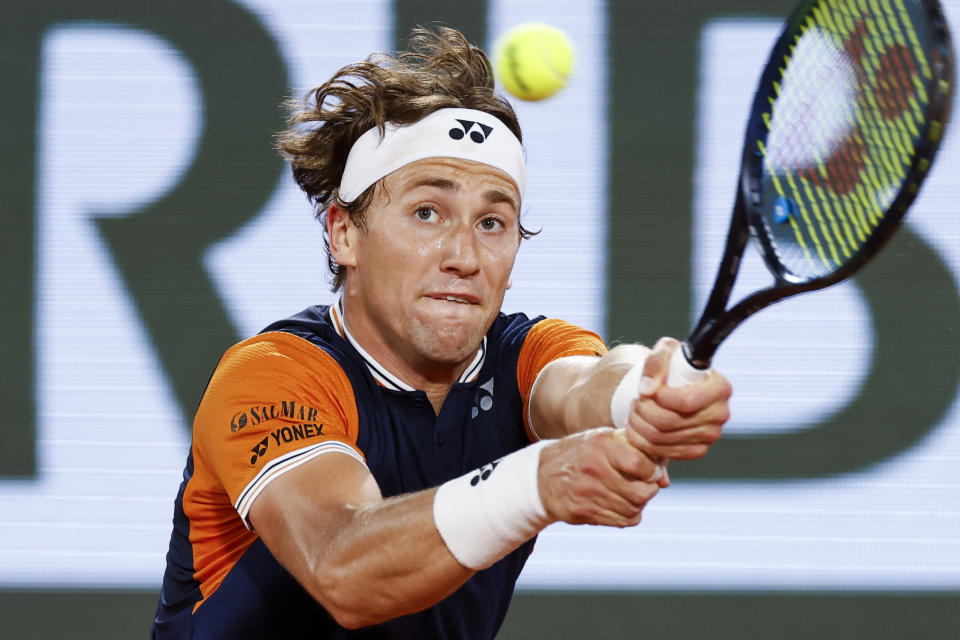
{"points": [[681, 372]]}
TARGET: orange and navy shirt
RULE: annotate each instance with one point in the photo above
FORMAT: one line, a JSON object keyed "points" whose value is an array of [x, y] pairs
{"points": [[304, 388]]}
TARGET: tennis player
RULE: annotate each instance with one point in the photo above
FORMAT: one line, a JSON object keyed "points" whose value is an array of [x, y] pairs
{"points": [[380, 468]]}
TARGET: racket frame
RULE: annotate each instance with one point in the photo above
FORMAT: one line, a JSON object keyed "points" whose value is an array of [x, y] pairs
{"points": [[716, 321]]}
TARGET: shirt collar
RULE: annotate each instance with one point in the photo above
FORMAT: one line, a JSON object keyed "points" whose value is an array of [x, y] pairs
{"points": [[380, 372]]}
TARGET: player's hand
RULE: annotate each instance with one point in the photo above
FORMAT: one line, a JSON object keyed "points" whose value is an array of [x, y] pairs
{"points": [[677, 422], [595, 477]]}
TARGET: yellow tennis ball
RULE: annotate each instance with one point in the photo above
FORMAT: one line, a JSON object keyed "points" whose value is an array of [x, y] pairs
{"points": [[533, 60]]}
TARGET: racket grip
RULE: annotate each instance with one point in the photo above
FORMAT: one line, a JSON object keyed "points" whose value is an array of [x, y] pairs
{"points": [[681, 372]]}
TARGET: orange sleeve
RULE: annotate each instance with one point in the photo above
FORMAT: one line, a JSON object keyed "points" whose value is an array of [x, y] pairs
{"points": [[545, 342], [274, 402]]}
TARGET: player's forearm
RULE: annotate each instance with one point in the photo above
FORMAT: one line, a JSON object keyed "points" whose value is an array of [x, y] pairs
{"points": [[574, 393], [386, 560]]}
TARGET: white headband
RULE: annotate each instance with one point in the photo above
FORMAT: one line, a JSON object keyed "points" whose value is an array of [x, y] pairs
{"points": [[448, 133]]}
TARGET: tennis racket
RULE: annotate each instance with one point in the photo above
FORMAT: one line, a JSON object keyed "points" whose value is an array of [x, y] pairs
{"points": [[846, 121]]}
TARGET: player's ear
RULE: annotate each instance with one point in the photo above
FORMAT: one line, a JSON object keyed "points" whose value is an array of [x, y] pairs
{"points": [[341, 234]]}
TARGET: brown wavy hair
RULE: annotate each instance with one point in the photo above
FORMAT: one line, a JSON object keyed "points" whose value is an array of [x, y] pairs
{"points": [[440, 69]]}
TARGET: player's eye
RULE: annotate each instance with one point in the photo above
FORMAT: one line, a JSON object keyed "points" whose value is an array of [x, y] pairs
{"points": [[426, 213], [491, 224]]}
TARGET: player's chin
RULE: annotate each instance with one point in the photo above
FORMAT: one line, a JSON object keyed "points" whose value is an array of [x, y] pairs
{"points": [[454, 340]]}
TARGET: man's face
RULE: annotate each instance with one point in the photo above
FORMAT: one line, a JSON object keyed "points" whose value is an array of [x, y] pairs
{"points": [[427, 276]]}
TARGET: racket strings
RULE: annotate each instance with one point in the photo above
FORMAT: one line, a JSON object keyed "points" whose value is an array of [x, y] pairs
{"points": [[884, 121], [805, 130], [850, 159], [844, 124]]}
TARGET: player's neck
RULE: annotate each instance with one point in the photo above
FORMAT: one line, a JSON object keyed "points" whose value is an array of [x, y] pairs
{"points": [[401, 362]]}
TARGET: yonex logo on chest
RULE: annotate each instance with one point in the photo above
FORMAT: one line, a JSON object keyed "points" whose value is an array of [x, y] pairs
{"points": [[483, 401], [466, 126]]}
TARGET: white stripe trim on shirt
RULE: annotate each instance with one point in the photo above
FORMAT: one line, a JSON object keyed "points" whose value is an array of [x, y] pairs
{"points": [[278, 466], [472, 371]]}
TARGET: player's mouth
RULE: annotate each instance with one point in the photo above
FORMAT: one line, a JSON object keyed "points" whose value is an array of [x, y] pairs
{"points": [[459, 298]]}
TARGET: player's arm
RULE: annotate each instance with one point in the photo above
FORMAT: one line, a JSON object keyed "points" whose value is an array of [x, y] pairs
{"points": [[574, 393], [367, 559]]}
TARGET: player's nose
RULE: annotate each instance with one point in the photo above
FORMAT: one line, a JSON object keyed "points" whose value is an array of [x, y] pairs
{"points": [[458, 251]]}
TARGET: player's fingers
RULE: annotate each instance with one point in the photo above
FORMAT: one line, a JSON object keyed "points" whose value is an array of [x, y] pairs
{"points": [[628, 459], [662, 428], [697, 447], [629, 504], [580, 484], [661, 477], [625, 470], [626, 498], [680, 451], [715, 389], [608, 518], [671, 410], [635, 464], [619, 474], [596, 501], [629, 498], [656, 366]]}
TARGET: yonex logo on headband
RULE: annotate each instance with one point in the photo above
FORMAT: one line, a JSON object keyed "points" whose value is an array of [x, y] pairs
{"points": [[476, 136], [468, 134]]}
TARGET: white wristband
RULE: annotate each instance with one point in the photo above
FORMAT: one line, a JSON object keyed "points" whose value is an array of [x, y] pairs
{"points": [[485, 514], [621, 402]]}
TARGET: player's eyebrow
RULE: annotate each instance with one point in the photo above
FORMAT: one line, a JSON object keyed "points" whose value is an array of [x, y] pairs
{"points": [[441, 183], [493, 196]]}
